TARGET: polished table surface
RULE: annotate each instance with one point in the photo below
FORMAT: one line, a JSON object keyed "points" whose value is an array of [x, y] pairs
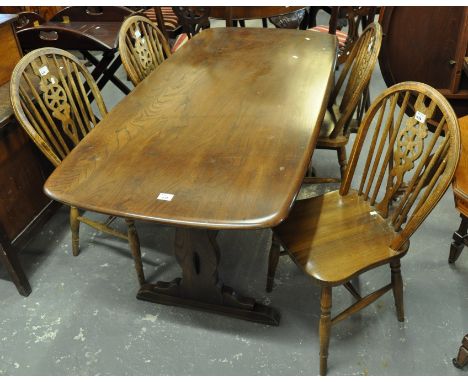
{"points": [[227, 126]]}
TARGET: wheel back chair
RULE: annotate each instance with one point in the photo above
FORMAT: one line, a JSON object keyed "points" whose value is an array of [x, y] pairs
{"points": [[354, 18], [142, 47], [352, 82], [398, 171], [50, 91]]}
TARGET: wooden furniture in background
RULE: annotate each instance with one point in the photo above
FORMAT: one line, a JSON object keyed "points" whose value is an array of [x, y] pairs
{"points": [[166, 21], [351, 85], [232, 14], [193, 21], [460, 193], [142, 47], [355, 18], [460, 237], [462, 357], [23, 171], [28, 20], [92, 14], [427, 44], [341, 234], [250, 142], [49, 94], [85, 30], [291, 20], [44, 12]]}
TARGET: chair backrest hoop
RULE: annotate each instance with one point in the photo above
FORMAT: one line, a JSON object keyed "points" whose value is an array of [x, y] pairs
{"points": [[49, 93], [356, 75], [411, 158], [142, 47]]}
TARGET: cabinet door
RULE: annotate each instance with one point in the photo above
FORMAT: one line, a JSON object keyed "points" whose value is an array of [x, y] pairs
{"points": [[23, 171]]}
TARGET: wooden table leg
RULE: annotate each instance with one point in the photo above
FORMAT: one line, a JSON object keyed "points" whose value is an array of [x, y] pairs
{"points": [[462, 358], [109, 74], [198, 254]]}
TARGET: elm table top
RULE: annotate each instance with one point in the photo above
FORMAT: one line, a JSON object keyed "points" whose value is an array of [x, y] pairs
{"points": [[227, 125]]}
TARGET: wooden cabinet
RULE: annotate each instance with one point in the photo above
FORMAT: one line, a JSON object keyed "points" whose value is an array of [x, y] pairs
{"points": [[430, 45], [23, 169], [45, 12]]}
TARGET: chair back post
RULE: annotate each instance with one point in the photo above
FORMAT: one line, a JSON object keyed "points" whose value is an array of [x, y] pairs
{"points": [[49, 92], [411, 158], [160, 21], [355, 76], [142, 47]]}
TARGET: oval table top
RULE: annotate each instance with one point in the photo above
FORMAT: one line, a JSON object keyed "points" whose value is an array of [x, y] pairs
{"points": [[227, 126]]}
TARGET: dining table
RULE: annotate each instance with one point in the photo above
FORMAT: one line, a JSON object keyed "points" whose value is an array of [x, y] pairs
{"points": [[218, 137]]}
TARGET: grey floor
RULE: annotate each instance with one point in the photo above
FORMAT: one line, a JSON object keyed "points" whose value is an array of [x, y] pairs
{"points": [[82, 317]]}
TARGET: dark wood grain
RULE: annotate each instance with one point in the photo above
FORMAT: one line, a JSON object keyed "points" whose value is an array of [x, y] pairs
{"points": [[435, 52], [227, 125]]}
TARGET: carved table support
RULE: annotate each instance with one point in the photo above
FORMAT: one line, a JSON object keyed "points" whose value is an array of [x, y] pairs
{"points": [[198, 254], [462, 358]]}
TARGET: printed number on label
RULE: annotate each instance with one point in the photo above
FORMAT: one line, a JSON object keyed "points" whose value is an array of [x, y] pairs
{"points": [[44, 70], [420, 117], [166, 197]]}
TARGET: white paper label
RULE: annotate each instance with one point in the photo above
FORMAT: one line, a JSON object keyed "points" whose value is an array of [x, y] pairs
{"points": [[166, 197], [420, 117], [44, 70], [372, 213], [137, 34]]}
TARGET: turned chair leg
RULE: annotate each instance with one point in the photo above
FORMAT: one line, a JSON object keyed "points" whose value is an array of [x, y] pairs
{"points": [[397, 287], [458, 240], [462, 357], [272, 263], [134, 243], [341, 151], [75, 230], [325, 327]]}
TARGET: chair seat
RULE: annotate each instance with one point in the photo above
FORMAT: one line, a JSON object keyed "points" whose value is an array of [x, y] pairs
{"points": [[333, 238], [341, 36], [180, 40]]}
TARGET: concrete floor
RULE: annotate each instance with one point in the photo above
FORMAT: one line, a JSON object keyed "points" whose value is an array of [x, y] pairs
{"points": [[82, 317]]}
